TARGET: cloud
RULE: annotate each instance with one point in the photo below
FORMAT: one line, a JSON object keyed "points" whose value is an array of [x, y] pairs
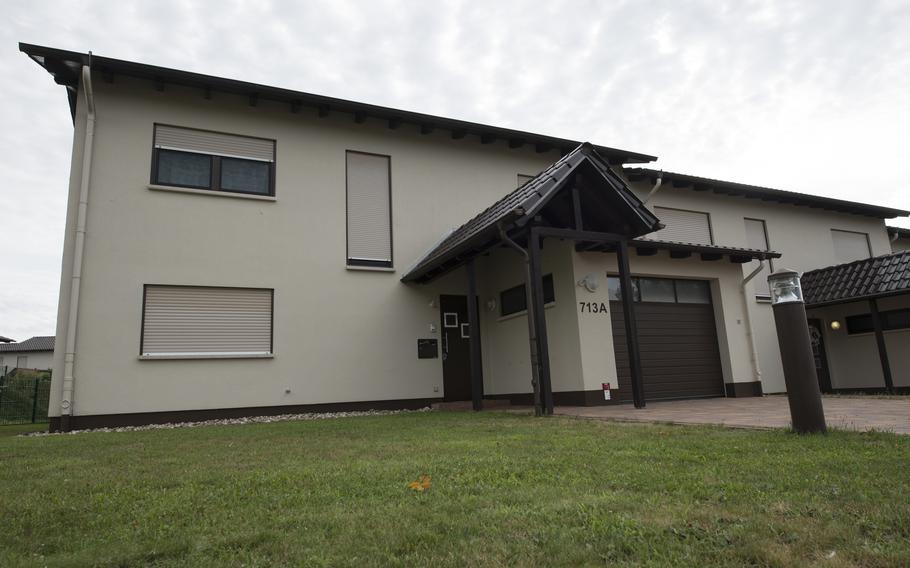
{"points": [[805, 95]]}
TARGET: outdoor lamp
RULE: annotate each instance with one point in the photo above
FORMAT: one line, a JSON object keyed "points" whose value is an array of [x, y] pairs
{"points": [[796, 355], [835, 325], [785, 287]]}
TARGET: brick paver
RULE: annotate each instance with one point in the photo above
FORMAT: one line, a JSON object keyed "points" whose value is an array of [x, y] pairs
{"points": [[845, 412]]}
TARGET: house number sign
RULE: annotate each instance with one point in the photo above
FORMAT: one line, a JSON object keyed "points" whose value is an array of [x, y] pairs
{"points": [[592, 307]]}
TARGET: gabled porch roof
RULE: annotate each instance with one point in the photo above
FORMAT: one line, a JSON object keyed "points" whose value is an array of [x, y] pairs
{"points": [[602, 198]]}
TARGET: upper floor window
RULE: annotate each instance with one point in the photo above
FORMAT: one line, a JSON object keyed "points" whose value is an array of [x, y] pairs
{"points": [[369, 210], [850, 245], [201, 159], [683, 226], [757, 238]]}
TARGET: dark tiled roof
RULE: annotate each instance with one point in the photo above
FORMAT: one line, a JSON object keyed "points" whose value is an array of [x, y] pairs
{"points": [[524, 203], [39, 343], [765, 193], [878, 276], [753, 254], [901, 232], [65, 67]]}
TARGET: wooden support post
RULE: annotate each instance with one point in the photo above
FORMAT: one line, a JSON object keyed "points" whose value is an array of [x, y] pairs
{"points": [[576, 209], [540, 321], [628, 311], [882, 348], [474, 334]]}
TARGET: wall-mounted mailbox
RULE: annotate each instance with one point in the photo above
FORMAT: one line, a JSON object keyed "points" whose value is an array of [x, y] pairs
{"points": [[427, 349]]}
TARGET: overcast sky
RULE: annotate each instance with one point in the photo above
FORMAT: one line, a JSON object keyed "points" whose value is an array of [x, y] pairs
{"points": [[810, 96]]}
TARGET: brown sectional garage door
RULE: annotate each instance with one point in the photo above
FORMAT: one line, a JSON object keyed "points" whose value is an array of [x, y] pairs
{"points": [[679, 353]]}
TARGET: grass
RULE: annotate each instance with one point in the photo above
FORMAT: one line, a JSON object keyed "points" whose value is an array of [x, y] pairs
{"points": [[506, 490]]}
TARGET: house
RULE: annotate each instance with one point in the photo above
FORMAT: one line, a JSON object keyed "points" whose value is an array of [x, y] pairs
{"points": [[236, 249], [859, 323], [33, 353]]}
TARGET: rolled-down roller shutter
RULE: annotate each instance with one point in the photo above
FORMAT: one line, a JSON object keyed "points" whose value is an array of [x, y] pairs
{"points": [[683, 226], [850, 246], [214, 143], [184, 320], [369, 209]]}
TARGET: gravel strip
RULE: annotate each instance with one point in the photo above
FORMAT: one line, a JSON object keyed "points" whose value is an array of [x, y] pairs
{"points": [[232, 421]]}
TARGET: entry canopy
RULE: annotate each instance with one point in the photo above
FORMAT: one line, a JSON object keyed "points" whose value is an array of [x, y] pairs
{"points": [[579, 187]]}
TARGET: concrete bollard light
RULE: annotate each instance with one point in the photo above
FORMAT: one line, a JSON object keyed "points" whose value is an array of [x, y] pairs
{"points": [[803, 393]]}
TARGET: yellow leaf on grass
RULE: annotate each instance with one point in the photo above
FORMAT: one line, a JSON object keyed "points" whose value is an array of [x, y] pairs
{"points": [[422, 484]]}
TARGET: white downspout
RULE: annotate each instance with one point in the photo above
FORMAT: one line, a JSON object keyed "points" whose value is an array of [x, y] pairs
{"points": [[657, 184], [69, 358], [756, 369]]}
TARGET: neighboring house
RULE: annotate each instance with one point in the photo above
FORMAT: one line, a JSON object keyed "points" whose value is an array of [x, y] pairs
{"points": [[900, 238], [34, 353], [246, 250], [859, 322]]}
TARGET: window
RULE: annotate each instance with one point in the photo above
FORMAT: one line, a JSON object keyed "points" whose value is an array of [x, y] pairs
{"points": [[199, 159], [892, 320], [757, 238], [683, 226], [663, 290], [369, 210], [850, 246], [194, 321], [657, 290], [523, 179], [22, 362], [515, 300]]}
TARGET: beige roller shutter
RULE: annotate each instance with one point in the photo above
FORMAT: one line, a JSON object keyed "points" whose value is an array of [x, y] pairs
{"points": [[369, 208], [683, 226], [215, 143], [850, 246], [182, 320]]}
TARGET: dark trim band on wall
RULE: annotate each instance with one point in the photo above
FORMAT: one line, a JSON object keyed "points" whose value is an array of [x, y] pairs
{"points": [[175, 416], [738, 390]]}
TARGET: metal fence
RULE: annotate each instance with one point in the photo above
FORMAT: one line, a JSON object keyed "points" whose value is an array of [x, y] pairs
{"points": [[24, 395]]}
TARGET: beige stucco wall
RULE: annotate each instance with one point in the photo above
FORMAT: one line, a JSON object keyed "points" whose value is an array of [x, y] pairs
{"points": [[802, 235], [507, 367], [340, 335], [853, 359]]}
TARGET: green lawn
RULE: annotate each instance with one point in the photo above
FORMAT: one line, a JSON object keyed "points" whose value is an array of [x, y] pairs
{"points": [[506, 490]]}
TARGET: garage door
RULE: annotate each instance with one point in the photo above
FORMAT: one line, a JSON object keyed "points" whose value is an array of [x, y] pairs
{"points": [[677, 339]]}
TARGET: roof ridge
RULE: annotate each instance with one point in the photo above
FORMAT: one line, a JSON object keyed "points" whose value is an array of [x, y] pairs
{"points": [[845, 265]]}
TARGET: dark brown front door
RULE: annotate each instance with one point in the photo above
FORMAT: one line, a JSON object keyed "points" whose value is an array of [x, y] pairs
{"points": [[679, 353], [456, 352], [818, 353]]}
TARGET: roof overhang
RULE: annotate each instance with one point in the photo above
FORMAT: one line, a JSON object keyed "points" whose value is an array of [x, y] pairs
{"points": [[65, 67], [696, 183], [866, 279], [581, 182], [648, 247]]}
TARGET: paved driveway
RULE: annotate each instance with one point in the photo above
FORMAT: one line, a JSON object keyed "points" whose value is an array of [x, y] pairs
{"points": [[846, 412]]}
